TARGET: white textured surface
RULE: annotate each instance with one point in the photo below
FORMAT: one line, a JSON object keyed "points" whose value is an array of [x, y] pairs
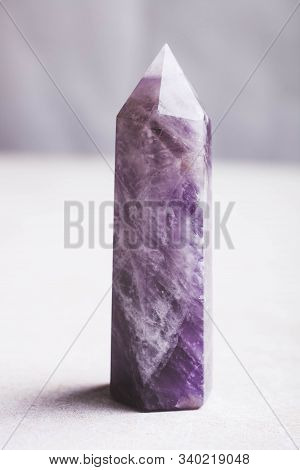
{"points": [[47, 293]]}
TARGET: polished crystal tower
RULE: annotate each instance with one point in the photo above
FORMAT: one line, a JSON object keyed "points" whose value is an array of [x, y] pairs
{"points": [[161, 345]]}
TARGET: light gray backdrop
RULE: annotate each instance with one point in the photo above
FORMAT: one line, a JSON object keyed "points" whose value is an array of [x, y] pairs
{"points": [[96, 51]]}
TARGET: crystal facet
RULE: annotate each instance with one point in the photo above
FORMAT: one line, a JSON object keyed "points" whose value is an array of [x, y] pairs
{"points": [[161, 267]]}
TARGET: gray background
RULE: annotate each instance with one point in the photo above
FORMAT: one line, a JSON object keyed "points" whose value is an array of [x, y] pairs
{"points": [[96, 51]]}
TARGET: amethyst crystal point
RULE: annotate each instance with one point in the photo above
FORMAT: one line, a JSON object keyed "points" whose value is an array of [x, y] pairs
{"points": [[161, 267]]}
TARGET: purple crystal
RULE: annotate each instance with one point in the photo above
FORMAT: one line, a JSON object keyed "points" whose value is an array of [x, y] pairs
{"points": [[161, 267]]}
